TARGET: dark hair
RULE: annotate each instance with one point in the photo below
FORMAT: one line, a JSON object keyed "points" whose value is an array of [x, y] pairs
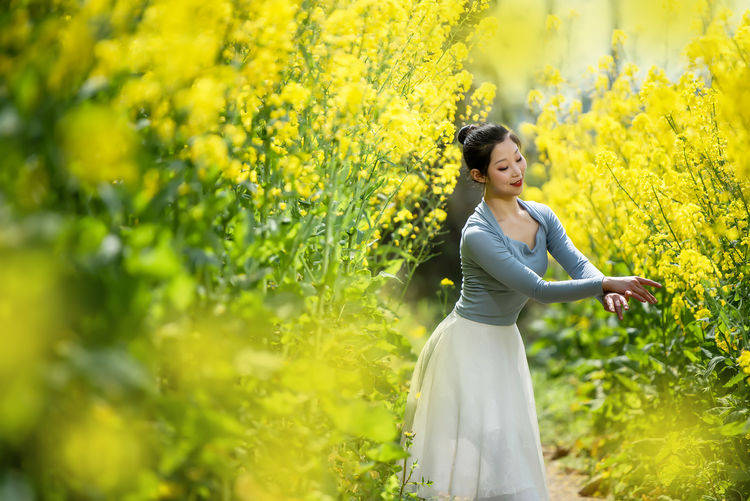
{"points": [[478, 142]]}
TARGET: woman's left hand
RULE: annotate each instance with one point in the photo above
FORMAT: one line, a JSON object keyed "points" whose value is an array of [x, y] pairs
{"points": [[614, 303]]}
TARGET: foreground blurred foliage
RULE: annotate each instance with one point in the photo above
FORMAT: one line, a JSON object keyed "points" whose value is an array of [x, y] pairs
{"points": [[659, 170], [201, 207]]}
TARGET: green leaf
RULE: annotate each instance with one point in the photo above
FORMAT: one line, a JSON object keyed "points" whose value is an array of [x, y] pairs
{"points": [[373, 421], [610, 340], [734, 428], [735, 379], [628, 383], [394, 267], [387, 452], [712, 364], [160, 261], [389, 275]]}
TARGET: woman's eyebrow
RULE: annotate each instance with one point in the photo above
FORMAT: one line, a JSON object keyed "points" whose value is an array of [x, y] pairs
{"points": [[504, 158]]}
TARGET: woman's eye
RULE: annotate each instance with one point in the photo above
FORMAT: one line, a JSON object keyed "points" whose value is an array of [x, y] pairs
{"points": [[517, 160]]}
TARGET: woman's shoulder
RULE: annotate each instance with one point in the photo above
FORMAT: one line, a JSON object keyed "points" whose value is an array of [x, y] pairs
{"points": [[542, 210], [474, 225], [477, 232]]}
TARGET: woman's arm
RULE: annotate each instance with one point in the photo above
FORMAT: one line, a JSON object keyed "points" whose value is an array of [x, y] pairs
{"points": [[562, 249], [496, 259]]}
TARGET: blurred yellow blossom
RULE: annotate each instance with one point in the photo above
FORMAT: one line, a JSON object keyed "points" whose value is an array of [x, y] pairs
{"points": [[98, 144]]}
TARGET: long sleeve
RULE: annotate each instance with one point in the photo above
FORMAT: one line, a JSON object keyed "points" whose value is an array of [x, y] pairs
{"points": [[565, 253], [498, 261]]}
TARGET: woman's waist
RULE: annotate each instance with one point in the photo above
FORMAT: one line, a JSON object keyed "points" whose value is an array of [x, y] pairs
{"points": [[485, 316]]}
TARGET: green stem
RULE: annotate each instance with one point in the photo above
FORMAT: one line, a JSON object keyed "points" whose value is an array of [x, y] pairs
{"points": [[666, 220]]}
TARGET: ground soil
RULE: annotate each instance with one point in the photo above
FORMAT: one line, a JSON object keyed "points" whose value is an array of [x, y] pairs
{"points": [[563, 483]]}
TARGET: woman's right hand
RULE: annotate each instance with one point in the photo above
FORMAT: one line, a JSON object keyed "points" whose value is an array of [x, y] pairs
{"points": [[630, 287]]}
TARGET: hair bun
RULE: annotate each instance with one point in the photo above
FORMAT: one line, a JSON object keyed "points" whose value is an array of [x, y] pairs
{"points": [[465, 132]]}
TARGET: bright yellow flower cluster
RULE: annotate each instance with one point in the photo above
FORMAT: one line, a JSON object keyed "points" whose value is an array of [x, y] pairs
{"points": [[744, 361], [435, 218], [481, 100], [315, 101], [658, 170], [98, 144], [250, 156]]}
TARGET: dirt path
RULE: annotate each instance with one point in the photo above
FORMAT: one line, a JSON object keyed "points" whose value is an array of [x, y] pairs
{"points": [[563, 484]]}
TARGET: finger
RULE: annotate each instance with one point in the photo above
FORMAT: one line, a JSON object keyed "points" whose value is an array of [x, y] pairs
{"points": [[634, 293], [643, 293], [610, 307], [618, 307], [625, 303], [648, 281], [646, 293]]}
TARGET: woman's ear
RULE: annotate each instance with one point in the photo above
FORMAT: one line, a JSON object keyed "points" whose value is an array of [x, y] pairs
{"points": [[477, 176]]}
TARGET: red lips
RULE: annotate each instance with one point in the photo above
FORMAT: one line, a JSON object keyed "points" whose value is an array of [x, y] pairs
{"points": [[519, 183]]}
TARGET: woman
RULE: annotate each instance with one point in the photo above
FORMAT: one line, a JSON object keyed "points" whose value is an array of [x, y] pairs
{"points": [[470, 412]]}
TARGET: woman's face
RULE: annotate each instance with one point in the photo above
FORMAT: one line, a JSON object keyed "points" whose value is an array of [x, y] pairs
{"points": [[507, 166]]}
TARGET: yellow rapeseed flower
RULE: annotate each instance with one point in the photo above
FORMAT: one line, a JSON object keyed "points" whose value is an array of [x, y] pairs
{"points": [[98, 144]]}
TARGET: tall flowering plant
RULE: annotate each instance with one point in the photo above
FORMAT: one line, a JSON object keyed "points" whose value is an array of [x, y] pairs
{"points": [[201, 203]]}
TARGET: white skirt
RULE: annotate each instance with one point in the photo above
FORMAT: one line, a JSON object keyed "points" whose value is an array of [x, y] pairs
{"points": [[471, 415]]}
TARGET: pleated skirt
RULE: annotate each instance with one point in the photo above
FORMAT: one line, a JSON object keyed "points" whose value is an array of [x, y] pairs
{"points": [[471, 418]]}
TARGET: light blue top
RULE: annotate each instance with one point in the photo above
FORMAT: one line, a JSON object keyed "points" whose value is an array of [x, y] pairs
{"points": [[500, 274]]}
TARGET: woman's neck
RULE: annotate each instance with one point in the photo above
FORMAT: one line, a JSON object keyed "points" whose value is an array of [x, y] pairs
{"points": [[503, 208]]}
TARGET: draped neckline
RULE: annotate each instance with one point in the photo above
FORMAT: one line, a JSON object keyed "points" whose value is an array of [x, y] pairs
{"points": [[484, 210]]}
